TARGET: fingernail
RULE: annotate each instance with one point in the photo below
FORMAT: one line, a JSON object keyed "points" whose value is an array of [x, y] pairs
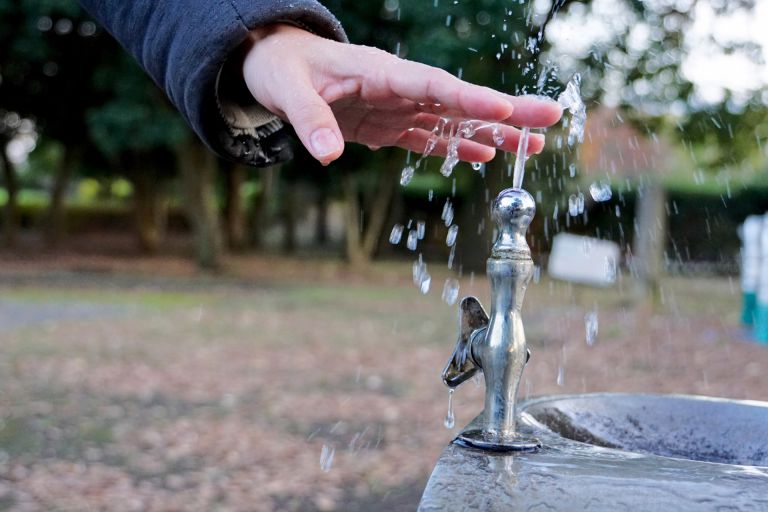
{"points": [[324, 142]]}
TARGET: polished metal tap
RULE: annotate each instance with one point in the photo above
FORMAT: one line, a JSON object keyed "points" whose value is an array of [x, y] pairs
{"points": [[496, 345]]}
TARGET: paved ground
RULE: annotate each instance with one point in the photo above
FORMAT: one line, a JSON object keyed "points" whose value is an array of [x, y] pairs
{"points": [[124, 391]]}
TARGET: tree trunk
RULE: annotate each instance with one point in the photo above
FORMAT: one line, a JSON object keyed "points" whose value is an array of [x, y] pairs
{"points": [[363, 234], [353, 214], [650, 239], [150, 209], [198, 172], [289, 211], [11, 221], [236, 175], [321, 222], [56, 216], [269, 178]]}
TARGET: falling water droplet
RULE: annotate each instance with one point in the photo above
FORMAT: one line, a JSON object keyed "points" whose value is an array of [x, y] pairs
{"points": [[560, 376], [571, 170], [425, 282], [421, 277], [580, 203], [326, 458], [477, 166], [600, 191], [451, 291], [451, 256], [450, 420], [610, 269], [591, 325], [573, 205], [536, 274], [447, 214], [421, 228], [407, 175], [453, 232], [413, 239], [396, 234]]}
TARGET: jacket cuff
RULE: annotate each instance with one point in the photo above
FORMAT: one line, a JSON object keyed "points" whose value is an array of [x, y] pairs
{"points": [[248, 132]]}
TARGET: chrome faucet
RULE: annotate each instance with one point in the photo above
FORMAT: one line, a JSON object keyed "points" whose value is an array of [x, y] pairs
{"points": [[496, 345]]}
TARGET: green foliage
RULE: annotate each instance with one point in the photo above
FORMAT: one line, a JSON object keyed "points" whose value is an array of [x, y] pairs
{"points": [[60, 69], [136, 116], [461, 37], [646, 74]]}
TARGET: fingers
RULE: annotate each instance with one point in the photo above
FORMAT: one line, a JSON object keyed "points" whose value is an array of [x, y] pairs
{"points": [[424, 84], [533, 111], [469, 151], [314, 122]]}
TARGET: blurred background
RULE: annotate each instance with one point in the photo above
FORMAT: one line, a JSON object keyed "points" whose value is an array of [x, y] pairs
{"points": [[178, 332]]}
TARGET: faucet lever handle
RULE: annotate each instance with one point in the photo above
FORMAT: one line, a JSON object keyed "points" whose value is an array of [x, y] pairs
{"points": [[462, 366]]}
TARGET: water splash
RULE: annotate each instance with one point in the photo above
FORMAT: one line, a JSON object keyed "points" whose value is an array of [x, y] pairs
{"points": [[450, 419], [497, 134], [467, 129], [326, 458], [570, 99], [452, 158], [591, 327]]}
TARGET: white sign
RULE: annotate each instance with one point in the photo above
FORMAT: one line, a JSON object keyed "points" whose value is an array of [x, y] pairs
{"points": [[584, 260]]}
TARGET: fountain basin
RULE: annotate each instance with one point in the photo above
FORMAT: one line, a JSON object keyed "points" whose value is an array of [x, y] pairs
{"points": [[616, 452]]}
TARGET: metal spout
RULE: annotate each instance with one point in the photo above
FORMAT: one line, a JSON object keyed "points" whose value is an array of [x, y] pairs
{"points": [[495, 343]]}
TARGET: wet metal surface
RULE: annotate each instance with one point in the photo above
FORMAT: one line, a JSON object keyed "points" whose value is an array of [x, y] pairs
{"points": [[568, 475]]}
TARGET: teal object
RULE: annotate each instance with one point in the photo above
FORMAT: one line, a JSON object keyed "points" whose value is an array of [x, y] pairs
{"points": [[761, 323], [749, 306]]}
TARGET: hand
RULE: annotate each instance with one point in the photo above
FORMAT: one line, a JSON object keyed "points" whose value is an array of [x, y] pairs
{"points": [[333, 92]]}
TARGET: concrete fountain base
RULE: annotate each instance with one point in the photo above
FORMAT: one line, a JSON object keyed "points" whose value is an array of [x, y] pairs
{"points": [[616, 452]]}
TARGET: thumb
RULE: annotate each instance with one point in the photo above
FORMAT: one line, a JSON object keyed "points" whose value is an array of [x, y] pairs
{"points": [[314, 123]]}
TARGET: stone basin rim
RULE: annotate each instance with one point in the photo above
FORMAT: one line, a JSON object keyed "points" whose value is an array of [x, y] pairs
{"points": [[601, 394], [544, 430]]}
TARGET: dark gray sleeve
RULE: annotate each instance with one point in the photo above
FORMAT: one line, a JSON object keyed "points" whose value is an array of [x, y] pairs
{"points": [[184, 45]]}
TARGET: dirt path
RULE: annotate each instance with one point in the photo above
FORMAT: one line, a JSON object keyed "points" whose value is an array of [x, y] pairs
{"points": [[219, 394]]}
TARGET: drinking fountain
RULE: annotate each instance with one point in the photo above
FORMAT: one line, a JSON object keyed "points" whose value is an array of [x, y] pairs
{"points": [[593, 452], [495, 344]]}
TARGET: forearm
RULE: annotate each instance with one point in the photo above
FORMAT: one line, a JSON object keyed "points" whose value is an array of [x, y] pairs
{"points": [[184, 44]]}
